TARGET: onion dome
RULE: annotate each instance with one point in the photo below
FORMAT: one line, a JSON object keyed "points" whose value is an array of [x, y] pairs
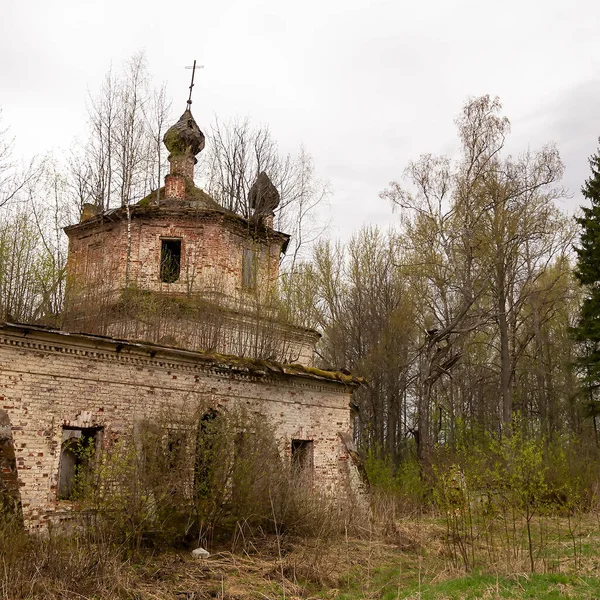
{"points": [[184, 137], [263, 195]]}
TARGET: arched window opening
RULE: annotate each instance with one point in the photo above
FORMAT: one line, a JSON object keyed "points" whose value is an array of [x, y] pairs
{"points": [[205, 454]]}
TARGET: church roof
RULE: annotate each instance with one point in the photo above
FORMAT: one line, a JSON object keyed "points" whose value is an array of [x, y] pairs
{"points": [[180, 198], [220, 362], [196, 204], [185, 136]]}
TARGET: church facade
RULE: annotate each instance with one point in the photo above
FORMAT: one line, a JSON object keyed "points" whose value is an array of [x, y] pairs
{"points": [[171, 306]]}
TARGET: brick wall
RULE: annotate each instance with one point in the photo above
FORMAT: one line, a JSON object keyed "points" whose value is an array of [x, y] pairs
{"points": [[211, 255], [50, 379], [211, 267]]}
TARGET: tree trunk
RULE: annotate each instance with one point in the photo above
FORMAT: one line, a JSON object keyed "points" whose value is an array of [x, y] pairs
{"points": [[540, 374], [424, 426], [505, 362]]}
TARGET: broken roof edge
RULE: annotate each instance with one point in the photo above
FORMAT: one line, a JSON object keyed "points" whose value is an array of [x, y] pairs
{"points": [[174, 207], [224, 362]]}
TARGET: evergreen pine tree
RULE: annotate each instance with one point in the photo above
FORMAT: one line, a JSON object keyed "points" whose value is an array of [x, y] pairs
{"points": [[587, 271]]}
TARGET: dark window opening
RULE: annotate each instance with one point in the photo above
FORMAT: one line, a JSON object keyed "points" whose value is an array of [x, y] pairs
{"points": [[10, 500], [249, 268], [175, 449], [77, 452], [205, 454], [170, 260], [302, 458]]}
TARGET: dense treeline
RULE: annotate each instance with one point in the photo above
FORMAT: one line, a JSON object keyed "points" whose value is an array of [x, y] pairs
{"points": [[459, 316]]}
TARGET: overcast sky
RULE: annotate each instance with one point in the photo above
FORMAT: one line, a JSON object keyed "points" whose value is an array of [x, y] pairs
{"points": [[365, 86]]}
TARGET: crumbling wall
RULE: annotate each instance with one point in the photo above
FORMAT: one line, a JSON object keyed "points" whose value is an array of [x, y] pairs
{"points": [[212, 329], [49, 381], [209, 307], [211, 256], [95, 271]]}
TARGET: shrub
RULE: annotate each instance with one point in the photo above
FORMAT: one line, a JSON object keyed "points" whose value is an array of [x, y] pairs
{"points": [[187, 478]]}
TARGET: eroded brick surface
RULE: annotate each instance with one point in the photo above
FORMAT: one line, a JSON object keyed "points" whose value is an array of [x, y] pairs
{"points": [[212, 247], [50, 379]]}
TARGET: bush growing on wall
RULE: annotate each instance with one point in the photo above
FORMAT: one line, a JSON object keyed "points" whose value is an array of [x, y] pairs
{"points": [[190, 477]]}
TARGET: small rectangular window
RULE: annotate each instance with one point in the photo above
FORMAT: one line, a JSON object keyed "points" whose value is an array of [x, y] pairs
{"points": [[249, 268], [302, 458], [77, 450], [170, 260]]}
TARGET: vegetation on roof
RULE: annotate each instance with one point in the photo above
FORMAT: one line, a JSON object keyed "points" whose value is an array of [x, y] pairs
{"points": [[192, 192], [148, 306]]}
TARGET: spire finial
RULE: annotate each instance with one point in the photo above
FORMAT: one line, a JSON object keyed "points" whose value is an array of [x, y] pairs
{"points": [[194, 67]]}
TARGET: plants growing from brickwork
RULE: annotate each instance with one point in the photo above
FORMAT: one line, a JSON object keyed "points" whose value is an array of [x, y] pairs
{"points": [[194, 476], [254, 325]]}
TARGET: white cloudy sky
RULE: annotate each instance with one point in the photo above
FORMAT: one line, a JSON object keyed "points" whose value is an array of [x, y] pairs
{"points": [[365, 86]]}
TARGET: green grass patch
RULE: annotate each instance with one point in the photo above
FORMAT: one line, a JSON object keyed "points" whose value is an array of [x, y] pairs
{"points": [[394, 585]]}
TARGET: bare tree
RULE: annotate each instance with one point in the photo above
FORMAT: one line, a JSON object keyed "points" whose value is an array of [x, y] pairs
{"points": [[33, 249], [13, 178], [157, 113], [122, 160], [51, 210], [235, 156]]}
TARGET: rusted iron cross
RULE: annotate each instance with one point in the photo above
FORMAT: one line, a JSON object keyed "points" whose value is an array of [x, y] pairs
{"points": [[194, 67]]}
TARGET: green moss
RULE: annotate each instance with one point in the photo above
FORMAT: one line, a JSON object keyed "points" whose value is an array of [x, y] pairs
{"points": [[174, 143], [150, 199], [347, 379], [192, 193], [199, 195]]}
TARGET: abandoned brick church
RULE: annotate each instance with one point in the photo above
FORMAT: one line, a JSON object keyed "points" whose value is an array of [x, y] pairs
{"points": [[169, 306]]}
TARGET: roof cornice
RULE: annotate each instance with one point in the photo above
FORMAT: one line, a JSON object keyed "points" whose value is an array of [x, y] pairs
{"points": [[102, 346]]}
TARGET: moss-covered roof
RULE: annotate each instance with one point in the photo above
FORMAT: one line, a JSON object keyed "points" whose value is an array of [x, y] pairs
{"points": [[193, 194], [196, 203], [222, 362], [185, 136]]}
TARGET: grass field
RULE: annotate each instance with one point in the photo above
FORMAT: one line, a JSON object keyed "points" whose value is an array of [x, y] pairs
{"points": [[415, 561]]}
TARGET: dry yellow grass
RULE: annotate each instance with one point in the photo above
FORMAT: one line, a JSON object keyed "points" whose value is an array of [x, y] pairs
{"points": [[414, 553]]}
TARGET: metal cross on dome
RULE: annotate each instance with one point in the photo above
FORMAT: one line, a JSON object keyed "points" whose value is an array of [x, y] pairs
{"points": [[193, 67]]}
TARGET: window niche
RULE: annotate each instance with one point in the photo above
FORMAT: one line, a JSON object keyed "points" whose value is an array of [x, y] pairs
{"points": [[205, 459], [302, 459], [249, 267], [78, 449], [10, 500], [170, 260]]}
